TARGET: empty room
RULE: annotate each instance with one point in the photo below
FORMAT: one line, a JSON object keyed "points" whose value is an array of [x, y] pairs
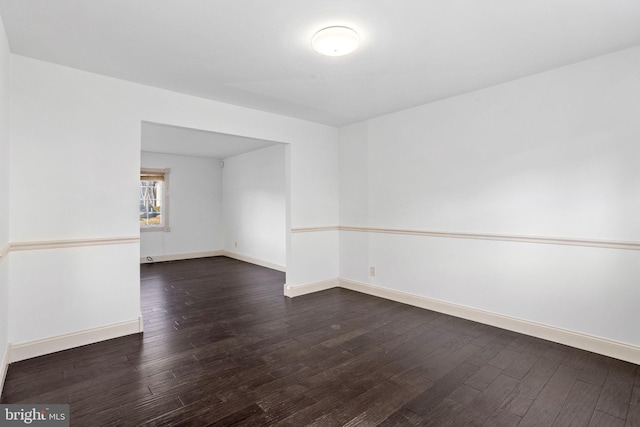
{"points": [[336, 213]]}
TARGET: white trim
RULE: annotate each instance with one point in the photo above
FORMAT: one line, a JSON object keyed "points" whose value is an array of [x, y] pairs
{"points": [[27, 350], [191, 255], [293, 291], [504, 237], [618, 350], [313, 229], [611, 244], [255, 261], [4, 366], [71, 243], [153, 228], [177, 257], [4, 251]]}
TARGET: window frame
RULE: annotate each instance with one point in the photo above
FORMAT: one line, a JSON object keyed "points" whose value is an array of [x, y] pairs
{"points": [[165, 198]]}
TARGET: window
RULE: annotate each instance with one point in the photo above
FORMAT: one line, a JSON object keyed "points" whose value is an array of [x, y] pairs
{"points": [[154, 200]]}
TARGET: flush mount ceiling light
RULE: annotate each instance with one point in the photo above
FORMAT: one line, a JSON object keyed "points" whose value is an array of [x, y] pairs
{"points": [[335, 41]]}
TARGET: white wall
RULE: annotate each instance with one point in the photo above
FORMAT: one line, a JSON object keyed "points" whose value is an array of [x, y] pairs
{"points": [[78, 135], [354, 201], [313, 203], [55, 292], [553, 155], [4, 193], [254, 205], [195, 206]]}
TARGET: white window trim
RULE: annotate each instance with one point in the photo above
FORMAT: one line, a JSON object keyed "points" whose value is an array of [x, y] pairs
{"points": [[165, 199]]}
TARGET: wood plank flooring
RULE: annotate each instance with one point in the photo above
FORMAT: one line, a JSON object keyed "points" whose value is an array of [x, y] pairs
{"points": [[223, 346]]}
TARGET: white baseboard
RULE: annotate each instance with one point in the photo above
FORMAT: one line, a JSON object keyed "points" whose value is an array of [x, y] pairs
{"points": [[293, 291], [177, 257], [255, 261], [618, 350], [192, 255], [27, 350], [4, 365]]}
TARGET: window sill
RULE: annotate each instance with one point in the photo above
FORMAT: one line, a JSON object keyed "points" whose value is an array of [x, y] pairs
{"points": [[145, 229]]}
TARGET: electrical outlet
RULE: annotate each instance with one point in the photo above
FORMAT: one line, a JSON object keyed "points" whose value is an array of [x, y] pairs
{"points": [[372, 271], [235, 244]]}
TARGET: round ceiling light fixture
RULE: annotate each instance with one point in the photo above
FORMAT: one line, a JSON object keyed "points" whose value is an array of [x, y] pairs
{"points": [[335, 41]]}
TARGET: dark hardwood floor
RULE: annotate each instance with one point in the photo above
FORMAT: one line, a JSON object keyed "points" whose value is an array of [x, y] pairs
{"points": [[223, 346]]}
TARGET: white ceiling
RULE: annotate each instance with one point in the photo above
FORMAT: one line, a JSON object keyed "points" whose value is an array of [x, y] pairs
{"points": [[161, 138], [257, 54]]}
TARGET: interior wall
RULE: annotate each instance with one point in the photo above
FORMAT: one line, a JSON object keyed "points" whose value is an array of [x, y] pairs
{"points": [[56, 292], [354, 201], [314, 197], [75, 160], [254, 205], [195, 206], [4, 194], [552, 155]]}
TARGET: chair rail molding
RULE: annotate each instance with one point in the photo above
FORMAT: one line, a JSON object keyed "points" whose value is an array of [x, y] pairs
{"points": [[547, 240], [71, 243]]}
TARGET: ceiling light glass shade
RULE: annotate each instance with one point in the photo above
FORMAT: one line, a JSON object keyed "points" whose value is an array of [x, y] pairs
{"points": [[335, 41]]}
